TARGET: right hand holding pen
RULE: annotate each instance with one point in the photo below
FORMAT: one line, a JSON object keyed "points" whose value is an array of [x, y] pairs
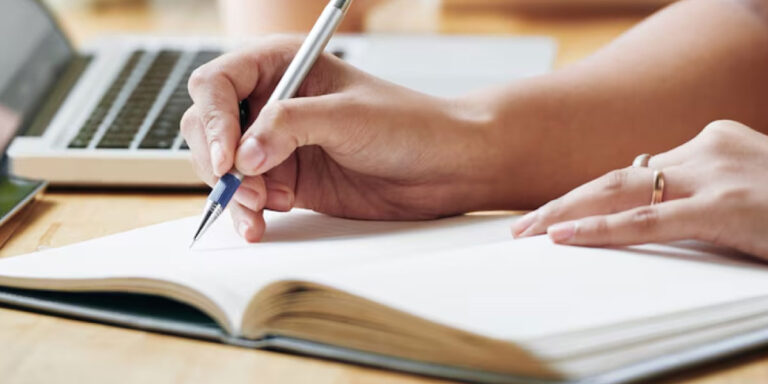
{"points": [[349, 144]]}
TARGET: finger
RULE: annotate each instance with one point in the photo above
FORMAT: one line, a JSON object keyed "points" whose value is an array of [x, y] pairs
{"points": [[216, 99], [615, 191], [670, 221], [249, 224], [281, 185], [286, 125], [252, 193], [218, 86], [191, 130], [279, 197]]}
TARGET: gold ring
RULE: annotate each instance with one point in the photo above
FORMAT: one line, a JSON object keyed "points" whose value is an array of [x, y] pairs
{"points": [[641, 161], [658, 188]]}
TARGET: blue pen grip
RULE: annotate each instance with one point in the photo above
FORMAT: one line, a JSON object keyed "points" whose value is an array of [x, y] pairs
{"points": [[227, 186], [224, 190]]}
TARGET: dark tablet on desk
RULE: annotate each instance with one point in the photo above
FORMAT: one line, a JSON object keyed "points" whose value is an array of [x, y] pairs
{"points": [[15, 193]]}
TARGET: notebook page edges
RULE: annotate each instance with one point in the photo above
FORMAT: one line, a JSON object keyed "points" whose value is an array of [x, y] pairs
{"points": [[614, 338], [521, 290], [652, 349], [228, 272], [309, 311]]}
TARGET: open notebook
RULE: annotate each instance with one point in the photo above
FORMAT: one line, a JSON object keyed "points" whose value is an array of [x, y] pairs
{"points": [[454, 298]]}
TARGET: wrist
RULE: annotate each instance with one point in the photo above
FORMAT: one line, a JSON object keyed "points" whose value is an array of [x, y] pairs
{"points": [[514, 146], [473, 157]]}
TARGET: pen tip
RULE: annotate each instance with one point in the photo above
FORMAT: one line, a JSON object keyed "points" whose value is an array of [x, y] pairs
{"points": [[210, 214]]}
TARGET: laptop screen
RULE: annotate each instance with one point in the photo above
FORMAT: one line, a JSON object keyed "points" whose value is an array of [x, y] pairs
{"points": [[33, 52]]}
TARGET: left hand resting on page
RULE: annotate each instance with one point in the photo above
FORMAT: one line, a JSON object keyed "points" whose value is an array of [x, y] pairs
{"points": [[716, 190]]}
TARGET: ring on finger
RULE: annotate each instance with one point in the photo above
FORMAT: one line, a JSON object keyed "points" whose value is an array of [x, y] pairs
{"points": [[658, 187]]}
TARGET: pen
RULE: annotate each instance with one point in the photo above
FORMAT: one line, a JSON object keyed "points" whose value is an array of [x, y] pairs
{"points": [[297, 71]]}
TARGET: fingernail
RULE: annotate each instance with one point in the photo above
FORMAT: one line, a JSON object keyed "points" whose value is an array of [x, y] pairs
{"points": [[523, 223], [217, 157], [243, 229], [252, 154], [279, 199], [562, 232]]}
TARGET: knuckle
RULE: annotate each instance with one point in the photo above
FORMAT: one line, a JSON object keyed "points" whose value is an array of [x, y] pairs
{"points": [[271, 48], [601, 226], [200, 77], [597, 228], [718, 135], [645, 219], [278, 119], [275, 115], [732, 195], [615, 180], [552, 211], [725, 168], [213, 122], [720, 127]]}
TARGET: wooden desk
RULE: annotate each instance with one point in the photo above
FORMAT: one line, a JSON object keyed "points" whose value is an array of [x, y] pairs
{"points": [[45, 349]]}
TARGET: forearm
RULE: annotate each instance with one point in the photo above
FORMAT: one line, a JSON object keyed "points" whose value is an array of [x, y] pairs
{"points": [[649, 91]]}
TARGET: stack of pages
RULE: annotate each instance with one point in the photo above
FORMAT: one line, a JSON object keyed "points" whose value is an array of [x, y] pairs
{"points": [[456, 298]]}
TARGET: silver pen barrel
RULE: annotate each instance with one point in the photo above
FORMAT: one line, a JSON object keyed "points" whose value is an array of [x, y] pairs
{"points": [[289, 84], [313, 46]]}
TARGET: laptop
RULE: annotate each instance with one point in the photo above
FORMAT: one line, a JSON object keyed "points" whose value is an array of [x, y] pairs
{"points": [[107, 114]]}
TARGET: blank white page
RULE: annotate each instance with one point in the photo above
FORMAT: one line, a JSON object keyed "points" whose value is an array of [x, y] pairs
{"points": [[229, 271], [523, 289]]}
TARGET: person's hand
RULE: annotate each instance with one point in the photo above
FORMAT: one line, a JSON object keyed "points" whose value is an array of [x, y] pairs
{"points": [[716, 191], [349, 145]]}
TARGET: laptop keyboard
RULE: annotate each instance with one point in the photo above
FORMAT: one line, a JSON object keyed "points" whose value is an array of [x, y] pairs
{"points": [[149, 117], [123, 129], [86, 133], [143, 106], [163, 132]]}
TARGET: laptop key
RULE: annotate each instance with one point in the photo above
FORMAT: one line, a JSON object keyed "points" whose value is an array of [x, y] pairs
{"points": [[96, 118], [131, 117], [79, 143], [114, 144], [165, 128], [157, 144]]}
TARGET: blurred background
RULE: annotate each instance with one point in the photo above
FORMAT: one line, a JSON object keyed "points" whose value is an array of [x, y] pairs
{"points": [[584, 22], [84, 19]]}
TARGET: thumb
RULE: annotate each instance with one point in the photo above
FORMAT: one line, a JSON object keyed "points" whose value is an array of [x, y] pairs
{"points": [[283, 126]]}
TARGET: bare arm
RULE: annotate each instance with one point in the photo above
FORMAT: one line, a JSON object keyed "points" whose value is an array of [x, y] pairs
{"points": [[650, 90], [355, 146]]}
